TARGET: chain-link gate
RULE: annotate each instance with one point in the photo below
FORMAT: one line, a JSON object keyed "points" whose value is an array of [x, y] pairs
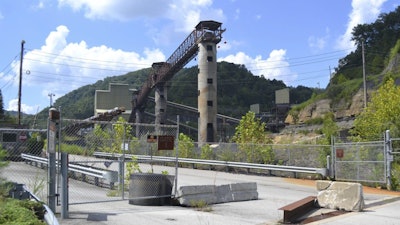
{"points": [[362, 162], [110, 160]]}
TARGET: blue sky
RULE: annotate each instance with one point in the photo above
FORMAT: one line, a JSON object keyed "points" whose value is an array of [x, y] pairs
{"points": [[71, 43]]}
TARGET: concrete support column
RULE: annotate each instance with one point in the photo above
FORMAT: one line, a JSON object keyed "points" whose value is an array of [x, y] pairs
{"points": [[161, 103], [207, 92]]}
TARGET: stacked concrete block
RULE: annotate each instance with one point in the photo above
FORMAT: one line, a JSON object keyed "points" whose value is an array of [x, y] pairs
{"points": [[212, 194], [340, 195]]}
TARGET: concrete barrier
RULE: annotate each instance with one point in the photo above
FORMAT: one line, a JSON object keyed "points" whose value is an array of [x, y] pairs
{"points": [[340, 195], [212, 194]]}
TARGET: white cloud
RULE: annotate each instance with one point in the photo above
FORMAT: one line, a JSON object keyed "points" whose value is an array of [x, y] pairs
{"points": [[237, 14], [118, 9], [364, 11], [318, 43], [185, 14], [39, 5], [60, 66], [276, 66], [13, 106]]}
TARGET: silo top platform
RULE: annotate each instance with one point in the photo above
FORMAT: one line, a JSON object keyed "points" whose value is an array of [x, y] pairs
{"points": [[209, 25]]}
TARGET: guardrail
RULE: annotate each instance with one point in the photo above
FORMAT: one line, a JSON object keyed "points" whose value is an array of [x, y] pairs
{"points": [[108, 175], [268, 167]]}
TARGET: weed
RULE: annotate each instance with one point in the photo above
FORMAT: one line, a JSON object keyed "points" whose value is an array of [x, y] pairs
{"points": [[201, 205]]}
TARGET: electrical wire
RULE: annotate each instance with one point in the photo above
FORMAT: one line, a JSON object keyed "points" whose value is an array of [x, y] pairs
{"points": [[15, 57], [292, 62], [85, 60]]}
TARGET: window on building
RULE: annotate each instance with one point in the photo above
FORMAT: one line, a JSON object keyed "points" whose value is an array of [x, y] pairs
{"points": [[210, 103], [209, 80], [209, 58], [209, 48]]}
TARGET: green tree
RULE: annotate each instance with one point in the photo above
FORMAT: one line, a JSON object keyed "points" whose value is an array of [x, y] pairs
{"points": [[382, 113], [207, 152], [99, 139], [3, 155], [186, 146], [107, 140], [329, 130], [252, 140], [122, 133]]}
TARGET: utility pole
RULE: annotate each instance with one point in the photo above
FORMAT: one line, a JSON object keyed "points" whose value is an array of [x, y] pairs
{"points": [[51, 95], [20, 81], [364, 79]]}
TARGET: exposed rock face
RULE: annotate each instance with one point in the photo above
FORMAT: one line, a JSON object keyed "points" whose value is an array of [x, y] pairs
{"points": [[351, 109], [343, 109], [312, 111], [340, 195]]}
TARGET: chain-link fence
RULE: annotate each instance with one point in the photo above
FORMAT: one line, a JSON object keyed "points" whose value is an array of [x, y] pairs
{"points": [[363, 162], [94, 178], [15, 142], [277, 154], [81, 139]]}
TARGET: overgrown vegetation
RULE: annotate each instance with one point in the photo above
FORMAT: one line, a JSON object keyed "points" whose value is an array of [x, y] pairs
{"points": [[380, 39], [329, 129], [380, 115], [254, 143], [14, 211]]}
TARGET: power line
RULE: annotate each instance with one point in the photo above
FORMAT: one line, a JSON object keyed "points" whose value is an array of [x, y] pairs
{"points": [[77, 66], [15, 57], [80, 59]]}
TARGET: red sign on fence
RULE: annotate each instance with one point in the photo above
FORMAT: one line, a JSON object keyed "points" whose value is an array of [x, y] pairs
{"points": [[339, 153], [165, 142]]}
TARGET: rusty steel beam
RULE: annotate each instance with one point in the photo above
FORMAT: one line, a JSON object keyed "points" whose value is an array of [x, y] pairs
{"points": [[294, 211]]}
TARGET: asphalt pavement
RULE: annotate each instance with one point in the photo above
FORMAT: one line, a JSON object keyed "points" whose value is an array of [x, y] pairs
{"points": [[274, 192]]}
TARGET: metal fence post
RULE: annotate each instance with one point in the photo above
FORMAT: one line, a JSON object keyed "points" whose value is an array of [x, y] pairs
{"points": [[333, 158], [121, 175], [64, 185], [177, 155], [389, 159], [54, 117], [328, 165]]}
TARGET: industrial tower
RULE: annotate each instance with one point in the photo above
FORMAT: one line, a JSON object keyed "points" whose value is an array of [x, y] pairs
{"points": [[207, 87], [203, 39]]}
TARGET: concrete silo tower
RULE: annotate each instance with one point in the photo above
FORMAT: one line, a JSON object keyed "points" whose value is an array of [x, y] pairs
{"points": [[207, 80]]}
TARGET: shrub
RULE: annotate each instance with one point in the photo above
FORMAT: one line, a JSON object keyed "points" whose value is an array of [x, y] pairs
{"points": [[27, 212]]}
